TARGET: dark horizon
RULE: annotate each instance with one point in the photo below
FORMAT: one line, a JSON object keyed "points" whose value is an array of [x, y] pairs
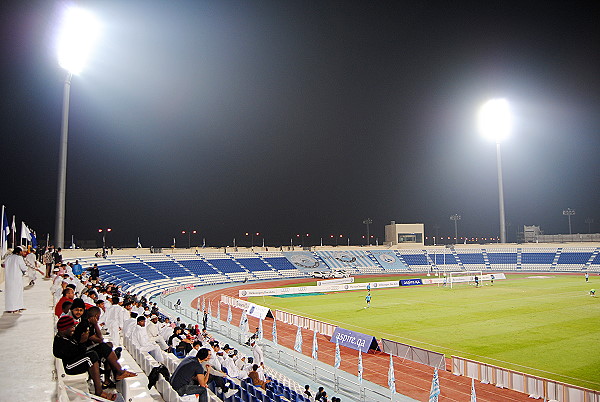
{"points": [[289, 118]]}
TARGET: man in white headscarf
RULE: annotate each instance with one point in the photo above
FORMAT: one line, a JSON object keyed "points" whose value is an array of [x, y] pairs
{"points": [[15, 269]]}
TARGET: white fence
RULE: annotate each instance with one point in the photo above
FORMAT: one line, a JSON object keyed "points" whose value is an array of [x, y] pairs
{"points": [[536, 387], [321, 327]]}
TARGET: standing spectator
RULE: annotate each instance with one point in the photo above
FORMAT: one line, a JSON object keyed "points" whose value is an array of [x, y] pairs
{"points": [[77, 269], [15, 269], [48, 260], [32, 267], [57, 256], [257, 352]]}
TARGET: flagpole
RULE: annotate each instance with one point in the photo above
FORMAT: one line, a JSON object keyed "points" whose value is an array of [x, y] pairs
{"points": [[3, 241], [14, 232]]}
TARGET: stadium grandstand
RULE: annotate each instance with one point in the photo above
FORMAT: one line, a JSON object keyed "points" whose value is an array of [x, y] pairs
{"points": [[185, 282]]}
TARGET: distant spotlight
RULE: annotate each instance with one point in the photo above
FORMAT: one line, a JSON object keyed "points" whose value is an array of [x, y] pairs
{"points": [[78, 33]]}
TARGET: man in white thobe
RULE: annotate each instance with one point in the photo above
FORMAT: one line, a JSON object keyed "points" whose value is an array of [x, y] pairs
{"points": [[154, 333], [32, 267], [13, 281], [140, 339]]}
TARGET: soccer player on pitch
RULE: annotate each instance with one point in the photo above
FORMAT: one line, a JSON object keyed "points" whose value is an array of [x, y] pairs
{"points": [[368, 300]]}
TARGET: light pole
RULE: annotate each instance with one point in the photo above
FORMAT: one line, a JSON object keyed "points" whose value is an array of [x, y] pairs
{"points": [[569, 213], [367, 222], [189, 233], [495, 123], [455, 218], [104, 232], [589, 222], [79, 30], [252, 238]]}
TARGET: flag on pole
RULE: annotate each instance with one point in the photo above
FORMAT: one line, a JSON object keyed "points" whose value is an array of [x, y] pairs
{"points": [[5, 233], [315, 349], [360, 367], [473, 395], [244, 322], [203, 304], [435, 387], [260, 329], [34, 243], [274, 331], [298, 344], [203, 242], [392, 376], [209, 308], [338, 356], [218, 310], [25, 233], [229, 316], [139, 245]]}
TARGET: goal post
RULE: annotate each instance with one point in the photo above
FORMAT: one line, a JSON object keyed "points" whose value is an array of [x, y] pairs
{"points": [[467, 277]]}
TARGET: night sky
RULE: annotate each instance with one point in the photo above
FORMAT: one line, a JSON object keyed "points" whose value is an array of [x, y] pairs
{"points": [[286, 117]]}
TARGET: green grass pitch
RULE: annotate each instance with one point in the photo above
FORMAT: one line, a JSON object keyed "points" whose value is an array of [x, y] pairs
{"points": [[543, 324]]}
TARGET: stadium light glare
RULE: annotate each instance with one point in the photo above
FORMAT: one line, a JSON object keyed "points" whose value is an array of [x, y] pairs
{"points": [[495, 122], [79, 31], [495, 119]]}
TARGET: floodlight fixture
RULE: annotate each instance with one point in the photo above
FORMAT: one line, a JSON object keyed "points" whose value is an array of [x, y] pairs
{"points": [[76, 38], [495, 119]]}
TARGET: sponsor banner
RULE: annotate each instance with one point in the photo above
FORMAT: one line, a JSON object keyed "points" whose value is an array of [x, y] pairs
{"points": [[305, 261], [335, 281], [257, 311], [316, 289], [354, 340], [410, 282], [388, 259], [178, 289], [252, 309]]}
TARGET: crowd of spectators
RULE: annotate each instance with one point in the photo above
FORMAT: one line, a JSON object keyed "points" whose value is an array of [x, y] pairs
{"points": [[88, 309]]}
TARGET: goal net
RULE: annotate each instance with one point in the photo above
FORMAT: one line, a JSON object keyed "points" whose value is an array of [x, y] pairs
{"points": [[464, 277]]}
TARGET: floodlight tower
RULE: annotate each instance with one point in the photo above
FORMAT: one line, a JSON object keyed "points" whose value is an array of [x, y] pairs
{"points": [[79, 31], [367, 222], [495, 123], [569, 213], [455, 218]]}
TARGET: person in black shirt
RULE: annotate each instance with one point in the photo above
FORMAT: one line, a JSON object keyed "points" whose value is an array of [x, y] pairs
{"points": [[190, 377], [77, 359]]}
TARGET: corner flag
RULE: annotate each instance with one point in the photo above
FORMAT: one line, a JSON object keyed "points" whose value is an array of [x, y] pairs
{"points": [[392, 376], [338, 356], [435, 387], [360, 367], [298, 344]]}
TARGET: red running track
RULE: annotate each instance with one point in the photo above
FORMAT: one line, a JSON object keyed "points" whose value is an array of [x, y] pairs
{"points": [[412, 379]]}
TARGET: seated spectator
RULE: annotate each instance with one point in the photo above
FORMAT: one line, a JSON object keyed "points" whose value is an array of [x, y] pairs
{"points": [[68, 294], [322, 398], [307, 391], [66, 308], [139, 338], [256, 381], [190, 377], [319, 392], [232, 370], [78, 359], [154, 332]]}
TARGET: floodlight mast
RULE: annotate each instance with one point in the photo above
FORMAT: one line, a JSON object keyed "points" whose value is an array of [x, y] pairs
{"points": [[78, 32], [495, 123]]}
